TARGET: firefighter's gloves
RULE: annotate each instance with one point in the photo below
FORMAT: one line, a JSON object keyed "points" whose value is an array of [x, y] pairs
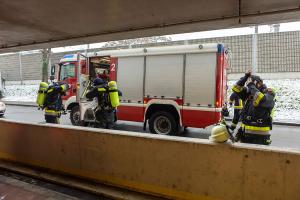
{"points": [[67, 86], [232, 127], [248, 73], [64, 87], [225, 112], [237, 137], [120, 93]]}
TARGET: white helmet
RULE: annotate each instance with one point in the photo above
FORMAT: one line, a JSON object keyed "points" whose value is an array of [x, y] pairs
{"points": [[219, 134]]}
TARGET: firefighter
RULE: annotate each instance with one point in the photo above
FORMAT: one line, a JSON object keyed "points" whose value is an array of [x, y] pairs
{"points": [[105, 112], [237, 103], [103, 76], [53, 102], [256, 113]]}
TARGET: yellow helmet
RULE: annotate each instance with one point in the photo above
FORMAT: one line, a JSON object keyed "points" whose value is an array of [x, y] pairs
{"points": [[112, 84], [219, 134]]}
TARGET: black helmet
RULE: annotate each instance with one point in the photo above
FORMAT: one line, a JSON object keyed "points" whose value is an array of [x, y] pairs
{"points": [[256, 79], [98, 81], [263, 88]]}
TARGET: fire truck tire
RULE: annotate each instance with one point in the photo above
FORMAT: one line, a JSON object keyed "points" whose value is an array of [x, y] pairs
{"points": [[163, 123], [75, 116]]}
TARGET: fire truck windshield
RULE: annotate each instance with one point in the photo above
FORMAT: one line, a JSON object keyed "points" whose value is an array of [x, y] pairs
{"points": [[67, 70]]}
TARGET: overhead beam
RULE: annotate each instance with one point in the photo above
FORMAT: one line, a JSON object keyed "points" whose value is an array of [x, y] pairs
{"points": [[34, 24]]}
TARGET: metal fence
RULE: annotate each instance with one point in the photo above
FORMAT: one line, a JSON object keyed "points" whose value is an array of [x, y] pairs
{"points": [[279, 52], [276, 52]]}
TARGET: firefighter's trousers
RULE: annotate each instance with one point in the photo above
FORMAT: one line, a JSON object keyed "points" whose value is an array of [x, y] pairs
{"points": [[52, 116], [253, 138]]}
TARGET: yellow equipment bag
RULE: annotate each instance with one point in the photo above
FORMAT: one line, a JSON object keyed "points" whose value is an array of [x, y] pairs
{"points": [[42, 93], [113, 94]]}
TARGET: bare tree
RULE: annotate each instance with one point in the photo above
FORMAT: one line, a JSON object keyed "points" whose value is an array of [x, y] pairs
{"points": [[45, 61], [146, 40]]}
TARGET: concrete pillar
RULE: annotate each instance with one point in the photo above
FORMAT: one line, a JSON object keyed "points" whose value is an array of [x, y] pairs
{"points": [[254, 50], [79, 84], [20, 68], [87, 48], [45, 61]]}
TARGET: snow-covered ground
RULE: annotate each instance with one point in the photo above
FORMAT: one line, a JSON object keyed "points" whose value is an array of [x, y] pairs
{"points": [[20, 92], [287, 106]]}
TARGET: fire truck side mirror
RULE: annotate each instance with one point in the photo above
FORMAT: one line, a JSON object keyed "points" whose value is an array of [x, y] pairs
{"points": [[52, 72]]}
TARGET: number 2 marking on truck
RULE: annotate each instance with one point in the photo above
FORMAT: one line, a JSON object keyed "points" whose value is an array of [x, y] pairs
{"points": [[113, 67]]}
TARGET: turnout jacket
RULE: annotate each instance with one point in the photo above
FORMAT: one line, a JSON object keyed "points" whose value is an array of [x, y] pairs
{"points": [[101, 92], [53, 99], [256, 114]]}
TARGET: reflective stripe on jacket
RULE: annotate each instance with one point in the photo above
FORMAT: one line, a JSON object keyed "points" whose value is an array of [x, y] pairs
{"points": [[236, 100]]}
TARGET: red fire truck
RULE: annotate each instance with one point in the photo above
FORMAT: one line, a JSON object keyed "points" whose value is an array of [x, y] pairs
{"points": [[166, 87], [67, 71]]}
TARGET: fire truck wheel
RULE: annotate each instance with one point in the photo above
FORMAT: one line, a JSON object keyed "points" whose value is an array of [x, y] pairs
{"points": [[75, 116], [163, 123]]}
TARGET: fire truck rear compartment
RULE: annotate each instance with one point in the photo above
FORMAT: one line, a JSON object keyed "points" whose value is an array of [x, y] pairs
{"points": [[99, 66]]}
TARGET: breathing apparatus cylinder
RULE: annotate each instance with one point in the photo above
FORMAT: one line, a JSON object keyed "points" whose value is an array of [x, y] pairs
{"points": [[42, 93], [113, 94]]}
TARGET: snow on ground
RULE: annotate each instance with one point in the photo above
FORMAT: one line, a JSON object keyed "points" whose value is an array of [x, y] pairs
{"points": [[287, 107], [20, 92]]}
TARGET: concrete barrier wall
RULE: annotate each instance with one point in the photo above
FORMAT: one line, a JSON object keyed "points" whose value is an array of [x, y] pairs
{"points": [[179, 168]]}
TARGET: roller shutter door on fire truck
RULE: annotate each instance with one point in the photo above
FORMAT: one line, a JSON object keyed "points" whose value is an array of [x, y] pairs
{"points": [[200, 79], [164, 76], [130, 74]]}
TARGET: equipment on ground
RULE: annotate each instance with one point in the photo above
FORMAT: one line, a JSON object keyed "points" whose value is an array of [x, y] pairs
{"points": [[219, 133]]}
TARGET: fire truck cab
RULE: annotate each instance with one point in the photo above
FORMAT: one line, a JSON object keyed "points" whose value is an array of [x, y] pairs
{"points": [[66, 71]]}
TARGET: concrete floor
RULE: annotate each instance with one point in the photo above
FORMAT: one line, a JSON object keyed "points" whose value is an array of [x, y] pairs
{"points": [[18, 187]]}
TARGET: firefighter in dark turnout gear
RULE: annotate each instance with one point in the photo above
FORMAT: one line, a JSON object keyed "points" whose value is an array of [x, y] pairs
{"points": [[104, 113], [237, 103], [53, 102], [256, 114]]}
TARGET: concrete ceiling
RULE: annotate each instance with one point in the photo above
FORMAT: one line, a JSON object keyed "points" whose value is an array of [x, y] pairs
{"points": [[31, 24]]}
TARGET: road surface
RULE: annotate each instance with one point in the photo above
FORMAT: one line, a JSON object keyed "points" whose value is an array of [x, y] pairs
{"points": [[282, 136]]}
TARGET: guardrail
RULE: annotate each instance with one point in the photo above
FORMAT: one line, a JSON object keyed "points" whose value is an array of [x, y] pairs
{"points": [[283, 123], [21, 103], [33, 104], [172, 167]]}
